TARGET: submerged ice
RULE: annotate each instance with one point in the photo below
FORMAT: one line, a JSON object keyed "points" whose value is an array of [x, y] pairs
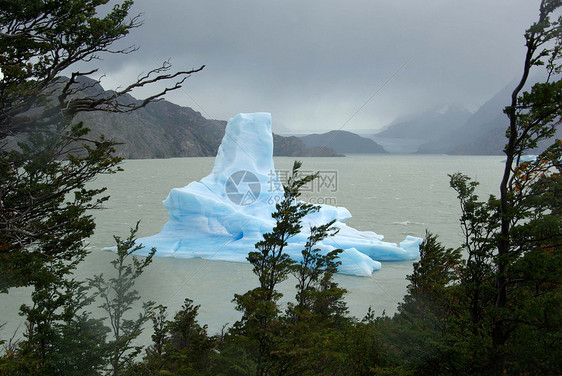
{"points": [[223, 215]]}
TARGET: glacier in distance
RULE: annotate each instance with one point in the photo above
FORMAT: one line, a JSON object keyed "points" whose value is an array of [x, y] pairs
{"points": [[223, 215]]}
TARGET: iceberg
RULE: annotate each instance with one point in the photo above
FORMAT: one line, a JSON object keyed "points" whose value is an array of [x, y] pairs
{"points": [[524, 158], [223, 215]]}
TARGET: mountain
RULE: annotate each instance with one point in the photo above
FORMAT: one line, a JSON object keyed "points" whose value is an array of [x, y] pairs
{"points": [[163, 130], [406, 135], [429, 123], [343, 142], [483, 133], [159, 130], [292, 146]]}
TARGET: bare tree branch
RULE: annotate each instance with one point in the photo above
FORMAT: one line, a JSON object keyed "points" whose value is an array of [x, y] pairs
{"points": [[111, 103]]}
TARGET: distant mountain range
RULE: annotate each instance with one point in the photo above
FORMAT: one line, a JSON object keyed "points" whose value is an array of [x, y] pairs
{"points": [[163, 130], [343, 142], [407, 135], [483, 133], [439, 119], [454, 130]]}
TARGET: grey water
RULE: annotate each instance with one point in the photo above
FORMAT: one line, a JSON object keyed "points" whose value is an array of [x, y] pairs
{"points": [[392, 195]]}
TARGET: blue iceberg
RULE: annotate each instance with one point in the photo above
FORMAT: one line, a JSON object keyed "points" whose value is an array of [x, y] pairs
{"points": [[223, 215]]}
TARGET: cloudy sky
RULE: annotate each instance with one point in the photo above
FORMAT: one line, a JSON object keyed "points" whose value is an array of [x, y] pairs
{"points": [[318, 65]]}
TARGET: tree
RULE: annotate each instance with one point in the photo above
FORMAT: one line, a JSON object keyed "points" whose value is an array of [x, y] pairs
{"points": [[44, 203], [317, 293], [41, 40], [263, 331], [533, 116], [366, 350], [423, 334], [270, 263], [304, 338], [60, 336], [312, 326], [498, 310], [118, 297], [180, 346], [44, 198], [260, 322], [188, 348], [528, 225]]}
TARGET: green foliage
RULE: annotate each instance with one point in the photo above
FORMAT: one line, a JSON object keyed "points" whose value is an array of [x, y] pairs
{"points": [[160, 331], [317, 293], [270, 264], [40, 39], [118, 298], [60, 337], [188, 345], [421, 332], [490, 307], [180, 346], [260, 325], [433, 276], [44, 222], [533, 117], [42, 183], [368, 350], [304, 339], [44, 205], [44, 198], [498, 310], [479, 224]]}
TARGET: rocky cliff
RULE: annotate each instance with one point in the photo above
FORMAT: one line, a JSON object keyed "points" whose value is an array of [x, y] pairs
{"points": [[163, 130]]}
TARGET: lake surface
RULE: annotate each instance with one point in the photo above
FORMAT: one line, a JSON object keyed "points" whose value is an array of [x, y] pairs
{"points": [[392, 195]]}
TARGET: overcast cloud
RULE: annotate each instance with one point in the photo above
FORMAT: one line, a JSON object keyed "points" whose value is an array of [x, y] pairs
{"points": [[315, 63]]}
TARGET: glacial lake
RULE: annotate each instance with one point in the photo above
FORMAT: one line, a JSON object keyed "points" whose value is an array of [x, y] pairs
{"points": [[392, 195]]}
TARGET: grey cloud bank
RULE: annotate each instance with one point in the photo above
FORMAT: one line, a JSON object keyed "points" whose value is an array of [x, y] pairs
{"points": [[317, 65]]}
